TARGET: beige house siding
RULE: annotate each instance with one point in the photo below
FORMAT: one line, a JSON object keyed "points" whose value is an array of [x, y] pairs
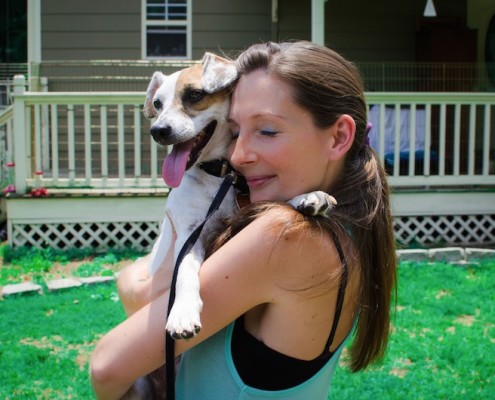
{"points": [[229, 25], [111, 29], [365, 32], [362, 30], [91, 29]]}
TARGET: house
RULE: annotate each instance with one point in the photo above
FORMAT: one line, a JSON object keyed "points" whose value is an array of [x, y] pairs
{"points": [[373, 34], [78, 130]]}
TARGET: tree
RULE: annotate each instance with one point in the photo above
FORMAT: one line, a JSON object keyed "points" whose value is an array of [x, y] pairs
{"points": [[13, 31]]}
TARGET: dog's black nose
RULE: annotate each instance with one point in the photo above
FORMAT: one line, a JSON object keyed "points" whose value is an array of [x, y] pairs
{"points": [[160, 133]]}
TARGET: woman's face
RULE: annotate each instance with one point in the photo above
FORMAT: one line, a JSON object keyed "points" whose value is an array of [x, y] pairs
{"points": [[276, 146]]}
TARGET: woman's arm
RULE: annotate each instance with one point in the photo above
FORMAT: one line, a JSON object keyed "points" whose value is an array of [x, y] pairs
{"points": [[130, 350], [233, 280]]}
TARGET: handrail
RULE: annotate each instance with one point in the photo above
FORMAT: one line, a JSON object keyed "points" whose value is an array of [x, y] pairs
{"points": [[33, 98], [6, 115], [430, 98], [371, 97]]}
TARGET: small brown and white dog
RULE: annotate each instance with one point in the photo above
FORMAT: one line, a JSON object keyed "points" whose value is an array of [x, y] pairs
{"points": [[191, 108]]}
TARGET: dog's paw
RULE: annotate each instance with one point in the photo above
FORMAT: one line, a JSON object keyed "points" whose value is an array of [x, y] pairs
{"points": [[314, 204], [184, 321]]}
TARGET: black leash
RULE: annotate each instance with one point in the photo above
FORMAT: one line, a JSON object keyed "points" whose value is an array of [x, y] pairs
{"points": [[228, 181]]}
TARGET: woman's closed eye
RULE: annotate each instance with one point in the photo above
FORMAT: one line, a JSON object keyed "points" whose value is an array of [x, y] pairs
{"points": [[268, 132]]}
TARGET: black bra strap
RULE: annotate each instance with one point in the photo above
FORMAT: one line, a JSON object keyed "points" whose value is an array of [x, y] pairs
{"points": [[341, 294]]}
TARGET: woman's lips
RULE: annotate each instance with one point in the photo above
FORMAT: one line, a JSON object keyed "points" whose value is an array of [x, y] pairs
{"points": [[257, 181]]}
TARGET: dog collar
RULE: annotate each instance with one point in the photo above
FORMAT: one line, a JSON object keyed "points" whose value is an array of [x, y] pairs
{"points": [[222, 167], [218, 168]]}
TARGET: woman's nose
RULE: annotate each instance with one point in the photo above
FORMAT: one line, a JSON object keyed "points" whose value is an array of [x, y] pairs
{"points": [[241, 152]]}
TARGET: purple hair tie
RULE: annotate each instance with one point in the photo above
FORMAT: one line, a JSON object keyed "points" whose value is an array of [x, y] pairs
{"points": [[367, 130]]}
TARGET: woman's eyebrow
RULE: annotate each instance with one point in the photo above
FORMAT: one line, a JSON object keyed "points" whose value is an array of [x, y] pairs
{"points": [[260, 115], [268, 114]]}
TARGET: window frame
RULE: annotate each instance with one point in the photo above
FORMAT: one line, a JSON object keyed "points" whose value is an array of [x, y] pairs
{"points": [[145, 23]]}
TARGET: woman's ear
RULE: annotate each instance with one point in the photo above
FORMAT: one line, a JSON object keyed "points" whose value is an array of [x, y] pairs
{"points": [[342, 131]]}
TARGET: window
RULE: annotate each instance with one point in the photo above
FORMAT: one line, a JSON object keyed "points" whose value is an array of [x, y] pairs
{"points": [[166, 29]]}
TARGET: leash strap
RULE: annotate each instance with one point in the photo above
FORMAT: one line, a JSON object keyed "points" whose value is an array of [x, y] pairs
{"points": [[228, 181]]}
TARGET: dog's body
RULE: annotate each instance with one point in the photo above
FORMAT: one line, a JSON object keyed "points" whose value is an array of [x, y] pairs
{"points": [[191, 107]]}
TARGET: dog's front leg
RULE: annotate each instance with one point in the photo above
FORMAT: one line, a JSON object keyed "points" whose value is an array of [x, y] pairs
{"points": [[184, 321], [162, 245]]}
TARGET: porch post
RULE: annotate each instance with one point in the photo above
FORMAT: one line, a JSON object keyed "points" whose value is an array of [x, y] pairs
{"points": [[274, 27], [318, 21], [34, 41], [20, 156]]}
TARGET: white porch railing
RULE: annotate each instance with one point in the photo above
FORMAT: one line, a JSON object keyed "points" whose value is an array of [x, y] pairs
{"points": [[435, 139], [82, 140], [101, 140]]}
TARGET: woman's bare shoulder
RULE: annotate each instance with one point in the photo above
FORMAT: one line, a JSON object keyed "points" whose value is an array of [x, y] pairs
{"points": [[279, 250], [296, 248]]}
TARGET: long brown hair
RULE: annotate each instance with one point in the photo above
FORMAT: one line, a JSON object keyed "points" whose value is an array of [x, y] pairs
{"points": [[327, 85]]}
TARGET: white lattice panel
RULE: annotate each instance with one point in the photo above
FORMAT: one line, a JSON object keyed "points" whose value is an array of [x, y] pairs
{"points": [[107, 235], [461, 230], [85, 221]]}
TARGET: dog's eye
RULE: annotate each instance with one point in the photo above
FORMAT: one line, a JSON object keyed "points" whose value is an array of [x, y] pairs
{"points": [[157, 104], [194, 96]]}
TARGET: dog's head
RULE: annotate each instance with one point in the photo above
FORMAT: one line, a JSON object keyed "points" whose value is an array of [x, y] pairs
{"points": [[191, 107]]}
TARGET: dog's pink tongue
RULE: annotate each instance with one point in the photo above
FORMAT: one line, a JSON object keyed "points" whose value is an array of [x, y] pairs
{"points": [[174, 165]]}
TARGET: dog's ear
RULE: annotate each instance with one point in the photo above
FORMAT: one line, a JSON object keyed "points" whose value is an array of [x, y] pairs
{"points": [[155, 83], [218, 73]]}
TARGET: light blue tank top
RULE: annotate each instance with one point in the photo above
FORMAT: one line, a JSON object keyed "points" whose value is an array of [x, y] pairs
{"points": [[207, 372]]}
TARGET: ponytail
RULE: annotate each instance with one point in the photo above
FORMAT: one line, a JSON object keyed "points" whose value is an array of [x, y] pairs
{"points": [[363, 208]]}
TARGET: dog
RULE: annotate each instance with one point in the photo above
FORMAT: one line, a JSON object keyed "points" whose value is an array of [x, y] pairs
{"points": [[190, 109]]}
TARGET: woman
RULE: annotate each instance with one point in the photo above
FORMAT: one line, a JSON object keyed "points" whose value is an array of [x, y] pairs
{"points": [[281, 291]]}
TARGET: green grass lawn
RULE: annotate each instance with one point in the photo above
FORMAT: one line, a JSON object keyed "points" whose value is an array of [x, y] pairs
{"points": [[443, 340], [35, 265], [45, 341], [442, 345]]}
